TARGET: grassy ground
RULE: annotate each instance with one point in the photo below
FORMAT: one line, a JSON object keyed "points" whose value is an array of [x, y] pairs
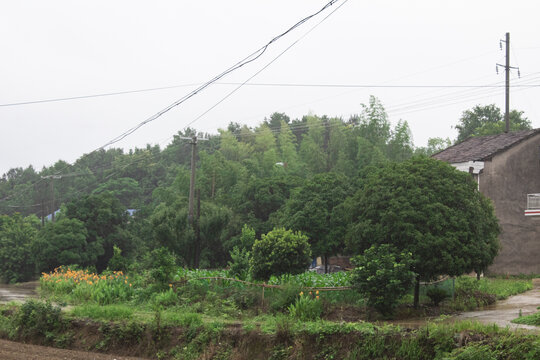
{"points": [[191, 318]]}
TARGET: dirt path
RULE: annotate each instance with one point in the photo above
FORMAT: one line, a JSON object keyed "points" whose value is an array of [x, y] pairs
{"points": [[504, 311], [17, 292], [16, 351]]}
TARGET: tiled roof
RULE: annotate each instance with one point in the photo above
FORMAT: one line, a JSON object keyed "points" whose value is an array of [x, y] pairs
{"points": [[480, 148]]}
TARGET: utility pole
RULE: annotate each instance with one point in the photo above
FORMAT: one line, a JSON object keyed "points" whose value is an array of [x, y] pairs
{"points": [[507, 68], [191, 205], [192, 178]]}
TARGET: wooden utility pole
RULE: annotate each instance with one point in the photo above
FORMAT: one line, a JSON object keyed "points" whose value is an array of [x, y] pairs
{"points": [[507, 68]]}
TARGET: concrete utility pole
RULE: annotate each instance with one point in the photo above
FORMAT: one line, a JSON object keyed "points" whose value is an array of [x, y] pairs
{"points": [[507, 68], [191, 205], [192, 222], [192, 178]]}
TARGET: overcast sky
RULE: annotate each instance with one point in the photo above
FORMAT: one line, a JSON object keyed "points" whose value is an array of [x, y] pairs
{"points": [[58, 49]]}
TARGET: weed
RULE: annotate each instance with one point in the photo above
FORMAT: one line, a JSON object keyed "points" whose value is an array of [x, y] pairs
{"points": [[106, 312], [306, 307], [38, 319]]}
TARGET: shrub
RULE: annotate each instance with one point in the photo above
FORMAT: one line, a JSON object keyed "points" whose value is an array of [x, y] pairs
{"points": [[162, 266], [166, 298], [306, 307], [279, 252], [436, 295], [38, 319], [118, 262], [239, 266], [382, 276]]}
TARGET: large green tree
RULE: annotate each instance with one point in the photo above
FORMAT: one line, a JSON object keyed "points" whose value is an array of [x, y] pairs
{"points": [[428, 208], [315, 210], [105, 220], [63, 243], [488, 120], [280, 252], [17, 233]]}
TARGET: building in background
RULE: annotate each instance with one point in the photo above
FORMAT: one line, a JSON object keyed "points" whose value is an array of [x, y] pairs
{"points": [[507, 169]]}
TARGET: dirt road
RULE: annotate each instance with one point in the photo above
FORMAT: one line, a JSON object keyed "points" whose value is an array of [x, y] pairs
{"points": [[16, 351], [504, 311], [17, 292]]}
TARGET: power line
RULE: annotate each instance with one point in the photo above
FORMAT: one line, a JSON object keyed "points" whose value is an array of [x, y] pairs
{"points": [[248, 59], [95, 95], [308, 85], [263, 68]]}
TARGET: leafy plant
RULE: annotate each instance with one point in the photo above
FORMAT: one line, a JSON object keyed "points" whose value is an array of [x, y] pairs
{"points": [[279, 252], [383, 276], [162, 266], [307, 307], [38, 319], [436, 295], [239, 264]]}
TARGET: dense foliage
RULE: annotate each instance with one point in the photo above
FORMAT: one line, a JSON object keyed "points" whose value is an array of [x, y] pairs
{"points": [[489, 120], [292, 173], [383, 276], [280, 252], [429, 209]]}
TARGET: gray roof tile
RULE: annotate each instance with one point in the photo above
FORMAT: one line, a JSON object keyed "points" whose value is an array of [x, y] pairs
{"points": [[480, 148]]}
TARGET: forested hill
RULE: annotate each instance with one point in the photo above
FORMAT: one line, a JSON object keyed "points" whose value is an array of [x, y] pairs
{"points": [[229, 163], [245, 176]]}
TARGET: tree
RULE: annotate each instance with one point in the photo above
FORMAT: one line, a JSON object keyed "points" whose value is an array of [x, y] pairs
{"points": [[382, 276], [373, 122], [105, 220], [488, 120], [400, 146], [314, 209], [63, 243], [428, 208], [280, 252], [16, 236], [434, 146]]}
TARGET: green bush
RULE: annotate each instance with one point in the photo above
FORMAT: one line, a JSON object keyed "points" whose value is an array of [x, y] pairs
{"points": [[162, 265], [307, 307], [280, 252], [118, 262], [382, 276], [39, 319], [436, 295], [239, 266], [165, 299]]}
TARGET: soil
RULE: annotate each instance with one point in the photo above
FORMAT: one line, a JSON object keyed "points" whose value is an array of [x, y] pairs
{"points": [[10, 350]]}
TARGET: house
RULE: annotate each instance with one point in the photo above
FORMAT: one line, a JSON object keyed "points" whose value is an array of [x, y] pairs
{"points": [[507, 169]]}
